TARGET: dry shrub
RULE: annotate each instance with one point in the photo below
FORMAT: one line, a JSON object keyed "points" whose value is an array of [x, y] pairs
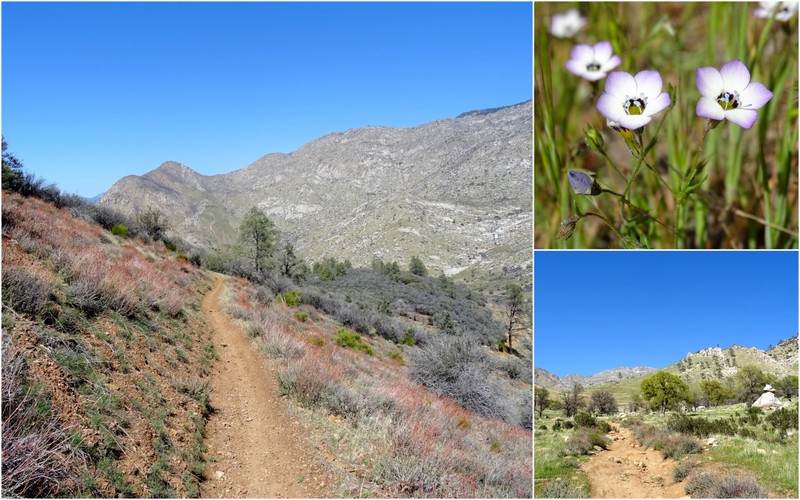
{"points": [[710, 485], [24, 291], [584, 439], [304, 382], [457, 368]]}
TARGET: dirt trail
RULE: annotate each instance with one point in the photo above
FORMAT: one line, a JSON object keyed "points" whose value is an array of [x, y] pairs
{"points": [[254, 446], [627, 470]]}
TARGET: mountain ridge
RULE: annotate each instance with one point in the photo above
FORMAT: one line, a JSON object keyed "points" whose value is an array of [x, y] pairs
{"points": [[705, 364], [454, 192]]}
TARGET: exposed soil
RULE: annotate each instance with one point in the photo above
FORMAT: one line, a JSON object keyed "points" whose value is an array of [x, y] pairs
{"points": [[255, 448], [628, 470]]}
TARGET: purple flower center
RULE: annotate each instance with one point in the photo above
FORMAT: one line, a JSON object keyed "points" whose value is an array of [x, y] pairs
{"points": [[593, 66], [729, 100]]}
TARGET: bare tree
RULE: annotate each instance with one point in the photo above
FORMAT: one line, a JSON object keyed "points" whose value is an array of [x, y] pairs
{"points": [[514, 309]]}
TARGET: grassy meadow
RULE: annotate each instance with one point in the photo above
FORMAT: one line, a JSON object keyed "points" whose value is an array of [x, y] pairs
{"points": [[693, 186]]}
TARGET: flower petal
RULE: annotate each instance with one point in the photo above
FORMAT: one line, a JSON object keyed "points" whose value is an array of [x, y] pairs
{"points": [[633, 122], [755, 96], [610, 64], [745, 118], [709, 82], [735, 76], [658, 104], [582, 53], [593, 76], [603, 51], [610, 107], [620, 84], [581, 182], [576, 67], [708, 107], [648, 82]]}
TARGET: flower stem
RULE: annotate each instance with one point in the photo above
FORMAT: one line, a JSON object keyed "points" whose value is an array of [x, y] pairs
{"points": [[624, 200]]}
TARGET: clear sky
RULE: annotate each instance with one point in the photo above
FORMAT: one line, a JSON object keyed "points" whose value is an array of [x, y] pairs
{"points": [[599, 310], [95, 91]]}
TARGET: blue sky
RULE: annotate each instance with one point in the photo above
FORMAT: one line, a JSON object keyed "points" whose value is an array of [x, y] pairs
{"points": [[95, 91], [600, 310]]}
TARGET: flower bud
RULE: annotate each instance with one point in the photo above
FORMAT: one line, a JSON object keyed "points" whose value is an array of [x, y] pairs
{"points": [[583, 183], [594, 139], [567, 227]]}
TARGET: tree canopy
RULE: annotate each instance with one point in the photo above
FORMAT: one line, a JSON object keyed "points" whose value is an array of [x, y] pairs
{"points": [[257, 237], [663, 390], [716, 392]]}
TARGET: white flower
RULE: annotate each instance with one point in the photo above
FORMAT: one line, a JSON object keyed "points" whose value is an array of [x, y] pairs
{"points": [[631, 101], [567, 24], [786, 10], [728, 94], [592, 62]]}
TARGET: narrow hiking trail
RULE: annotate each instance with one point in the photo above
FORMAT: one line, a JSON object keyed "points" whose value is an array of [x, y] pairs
{"points": [[628, 470], [255, 448]]}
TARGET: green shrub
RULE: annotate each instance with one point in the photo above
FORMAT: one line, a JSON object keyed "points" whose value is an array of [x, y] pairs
{"points": [[183, 258], [604, 426], [352, 340], [301, 316], [119, 230], [585, 420], [783, 419], [316, 341], [291, 298], [172, 247], [409, 340]]}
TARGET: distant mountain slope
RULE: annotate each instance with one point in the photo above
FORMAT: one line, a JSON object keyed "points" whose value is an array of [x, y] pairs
{"points": [[713, 363], [455, 192], [549, 380]]}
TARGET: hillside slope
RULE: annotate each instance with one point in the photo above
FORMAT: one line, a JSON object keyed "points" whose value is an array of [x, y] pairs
{"points": [[105, 360], [107, 370], [455, 192]]}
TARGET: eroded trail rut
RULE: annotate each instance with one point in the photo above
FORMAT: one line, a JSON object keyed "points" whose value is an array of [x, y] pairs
{"points": [[627, 470], [255, 447]]}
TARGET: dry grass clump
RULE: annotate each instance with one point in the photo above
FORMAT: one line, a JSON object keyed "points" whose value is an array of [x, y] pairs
{"points": [[38, 458], [671, 445]]}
